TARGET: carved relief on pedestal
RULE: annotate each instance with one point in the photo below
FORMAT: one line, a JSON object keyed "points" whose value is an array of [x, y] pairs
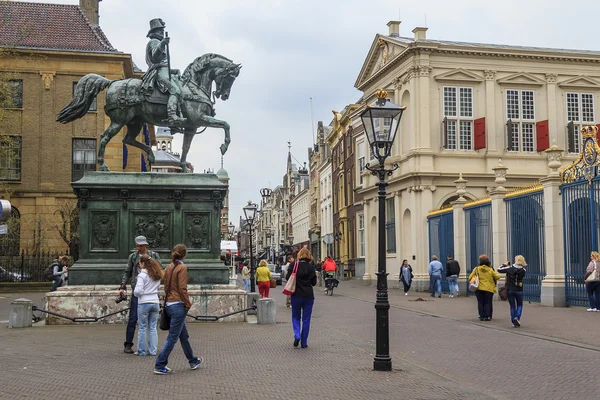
{"points": [[156, 227], [104, 230], [197, 231]]}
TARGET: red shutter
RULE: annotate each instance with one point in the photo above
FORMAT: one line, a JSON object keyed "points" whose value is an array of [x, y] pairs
{"points": [[598, 134], [541, 132], [479, 134]]}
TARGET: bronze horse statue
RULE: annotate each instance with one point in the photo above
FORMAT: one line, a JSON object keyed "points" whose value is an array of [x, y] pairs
{"points": [[128, 105]]}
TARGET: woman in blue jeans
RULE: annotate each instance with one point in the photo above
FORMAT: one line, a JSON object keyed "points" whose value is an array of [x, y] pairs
{"points": [[593, 287], [303, 298], [146, 291], [178, 304], [514, 282]]}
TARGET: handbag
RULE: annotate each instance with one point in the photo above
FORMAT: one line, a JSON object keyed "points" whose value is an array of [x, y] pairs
{"points": [[474, 284], [290, 286], [503, 293], [273, 283], [165, 320], [594, 276]]}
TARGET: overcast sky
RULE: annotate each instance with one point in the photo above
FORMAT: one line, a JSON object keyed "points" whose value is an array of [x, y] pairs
{"points": [[292, 50]]}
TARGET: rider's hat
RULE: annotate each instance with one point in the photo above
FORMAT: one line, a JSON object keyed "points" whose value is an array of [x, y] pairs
{"points": [[156, 24]]}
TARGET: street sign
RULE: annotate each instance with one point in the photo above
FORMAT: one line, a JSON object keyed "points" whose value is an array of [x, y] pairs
{"points": [[3, 229], [229, 245]]}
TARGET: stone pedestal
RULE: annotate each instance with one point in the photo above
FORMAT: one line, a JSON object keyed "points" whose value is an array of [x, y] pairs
{"points": [[20, 314], [166, 208], [99, 300], [266, 312]]}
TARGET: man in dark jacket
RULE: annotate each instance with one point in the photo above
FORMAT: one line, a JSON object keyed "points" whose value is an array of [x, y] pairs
{"points": [[452, 273]]}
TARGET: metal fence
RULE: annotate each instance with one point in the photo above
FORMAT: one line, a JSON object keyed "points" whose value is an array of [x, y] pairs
{"points": [[26, 267], [581, 218], [525, 236], [441, 239], [478, 232]]}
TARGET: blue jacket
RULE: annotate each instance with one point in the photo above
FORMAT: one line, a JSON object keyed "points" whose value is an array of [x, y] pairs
{"points": [[435, 268]]}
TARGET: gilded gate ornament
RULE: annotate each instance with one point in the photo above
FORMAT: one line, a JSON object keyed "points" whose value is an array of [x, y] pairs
{"points": [[586, 165]]}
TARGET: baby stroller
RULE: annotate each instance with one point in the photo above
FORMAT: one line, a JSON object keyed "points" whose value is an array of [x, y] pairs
{"points": [[330, 283]]}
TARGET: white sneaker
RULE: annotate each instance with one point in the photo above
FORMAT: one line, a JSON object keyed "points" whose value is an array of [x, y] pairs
{"points": [[406, 294], [591, 309], [450, 296]]}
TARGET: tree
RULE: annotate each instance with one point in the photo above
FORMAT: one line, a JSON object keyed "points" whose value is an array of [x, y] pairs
{"points": [[68, 227]]}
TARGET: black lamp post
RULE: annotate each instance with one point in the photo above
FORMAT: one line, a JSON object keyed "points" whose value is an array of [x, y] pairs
{"points": [[250, 214], [231, 230], [381, 120]]}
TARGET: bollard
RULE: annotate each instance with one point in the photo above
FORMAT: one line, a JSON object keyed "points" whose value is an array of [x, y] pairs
{"points": [[266, 311], [20, 314], [252, 300]]}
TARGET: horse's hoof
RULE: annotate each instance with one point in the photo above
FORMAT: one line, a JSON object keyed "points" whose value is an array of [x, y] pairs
{"points": [[223, 149]]}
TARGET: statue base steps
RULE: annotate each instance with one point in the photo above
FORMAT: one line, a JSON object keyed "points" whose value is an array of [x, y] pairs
{"points": [[99, 300]]}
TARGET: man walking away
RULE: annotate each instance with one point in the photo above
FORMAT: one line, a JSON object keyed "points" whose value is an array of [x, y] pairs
{"points": [[435, 276], [452, 273], [131, 272]]}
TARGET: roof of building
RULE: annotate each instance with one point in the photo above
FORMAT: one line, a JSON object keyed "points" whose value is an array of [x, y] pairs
{"points": [[162, 131], [161, 156], [222, 174], [50, 26], [475, 45]]}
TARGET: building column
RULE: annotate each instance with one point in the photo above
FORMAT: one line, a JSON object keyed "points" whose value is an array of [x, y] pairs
{"points": [[398, 228], [368, 242], [490, 113], [423, 203], [553, 129], [500, 252], [553, 284]]}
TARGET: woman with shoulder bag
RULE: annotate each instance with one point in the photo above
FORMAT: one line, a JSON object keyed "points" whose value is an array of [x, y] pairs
{"points": [[303, 297], [146, 290], [486, 288], [592, 281], [406, 276], [514, 283], [177, 303]]}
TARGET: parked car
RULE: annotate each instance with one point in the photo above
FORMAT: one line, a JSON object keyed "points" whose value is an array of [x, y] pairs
{"points": [[7, 276], [276, 275]]}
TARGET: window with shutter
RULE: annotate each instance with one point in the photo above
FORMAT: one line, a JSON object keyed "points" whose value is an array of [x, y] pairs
{"points": [[580, 112], [458, 118], [520, 111]]}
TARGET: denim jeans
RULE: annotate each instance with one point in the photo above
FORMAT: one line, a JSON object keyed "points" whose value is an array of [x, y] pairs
{"points": [[56, 283], [301, 312], [593, 290], [247, 285], [484, 303], [435, 281], [177, 331], [147, 317], [453, 284], [515, 300], [131, 324]]}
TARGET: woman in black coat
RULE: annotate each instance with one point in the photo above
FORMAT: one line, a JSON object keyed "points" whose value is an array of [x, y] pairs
{"points": [[303, 298]]}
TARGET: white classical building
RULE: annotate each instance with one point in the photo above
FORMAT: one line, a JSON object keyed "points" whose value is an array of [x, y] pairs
{"points": [[469, 105], [326, 209], [301, 210]]}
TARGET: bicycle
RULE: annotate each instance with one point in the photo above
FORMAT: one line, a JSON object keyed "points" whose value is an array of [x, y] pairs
{"points": [[330, 283]]}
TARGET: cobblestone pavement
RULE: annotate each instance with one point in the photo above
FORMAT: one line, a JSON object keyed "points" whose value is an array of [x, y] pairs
{"points": [[433, 358]]}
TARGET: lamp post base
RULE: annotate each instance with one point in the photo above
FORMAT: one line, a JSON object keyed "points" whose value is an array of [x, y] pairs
{"points": [[382, 363]]}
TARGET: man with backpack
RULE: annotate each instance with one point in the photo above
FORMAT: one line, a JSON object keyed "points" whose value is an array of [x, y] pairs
{"points": [[56, 271], [131, 272]]}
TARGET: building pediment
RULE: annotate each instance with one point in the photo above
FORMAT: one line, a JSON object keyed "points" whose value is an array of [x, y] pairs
{"points": [[581, 81], [382, 52], [521, 78], [459, 75]]}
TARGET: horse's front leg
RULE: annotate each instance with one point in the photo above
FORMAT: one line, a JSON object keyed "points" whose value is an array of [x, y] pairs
{"points": [[188, 135], [212, 122]]}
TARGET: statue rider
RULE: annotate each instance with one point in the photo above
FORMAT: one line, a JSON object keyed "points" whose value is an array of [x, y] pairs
{"points": [[158, 70]]}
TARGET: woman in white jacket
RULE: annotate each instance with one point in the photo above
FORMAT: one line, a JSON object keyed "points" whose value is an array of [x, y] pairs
{"points": [[146, 290]]}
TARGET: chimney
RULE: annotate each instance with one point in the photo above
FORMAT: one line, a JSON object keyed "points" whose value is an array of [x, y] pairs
{"points": [[394, 28], [420, 33], [90, 10]]}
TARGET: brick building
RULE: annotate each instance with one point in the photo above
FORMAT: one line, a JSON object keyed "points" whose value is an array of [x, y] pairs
{"points": [[45, 49]]}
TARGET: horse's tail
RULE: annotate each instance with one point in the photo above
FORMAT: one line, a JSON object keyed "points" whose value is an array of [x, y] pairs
{"points": [[86, 91]]}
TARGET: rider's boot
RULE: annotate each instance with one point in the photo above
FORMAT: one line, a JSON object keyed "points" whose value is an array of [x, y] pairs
{"points": [[173, 118]]}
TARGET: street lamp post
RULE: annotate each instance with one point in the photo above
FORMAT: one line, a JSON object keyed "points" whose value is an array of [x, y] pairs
{"points": [[250, 214], [381, 120]]}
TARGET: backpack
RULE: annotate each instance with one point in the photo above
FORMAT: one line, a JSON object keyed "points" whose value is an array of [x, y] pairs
{"points": [[49, 271]]}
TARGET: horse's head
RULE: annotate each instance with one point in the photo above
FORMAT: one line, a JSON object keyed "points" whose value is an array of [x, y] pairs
{"points": [[224, 80]]}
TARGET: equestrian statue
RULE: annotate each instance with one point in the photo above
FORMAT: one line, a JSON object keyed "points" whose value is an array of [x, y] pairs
{"points": [[163, 97]]}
